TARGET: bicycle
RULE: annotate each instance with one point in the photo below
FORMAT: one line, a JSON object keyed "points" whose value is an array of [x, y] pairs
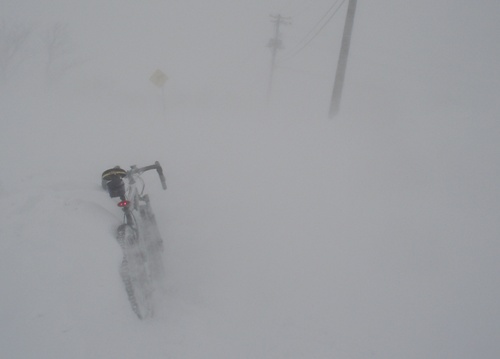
{"points": [[142, 268]]}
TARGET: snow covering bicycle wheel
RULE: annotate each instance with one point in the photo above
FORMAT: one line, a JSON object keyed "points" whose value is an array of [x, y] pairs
{"points": [[134, 273], [153, 243]]}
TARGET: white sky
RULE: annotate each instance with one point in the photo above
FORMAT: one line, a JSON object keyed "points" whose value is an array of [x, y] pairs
{"points": [[371, 236]]}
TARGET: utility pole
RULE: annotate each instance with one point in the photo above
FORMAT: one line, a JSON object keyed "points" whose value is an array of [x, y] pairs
{"points": [[342, 63], [275, 44]]}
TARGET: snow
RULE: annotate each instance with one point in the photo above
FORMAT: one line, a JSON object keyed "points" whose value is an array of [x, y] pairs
{"points": [[287, 234]]}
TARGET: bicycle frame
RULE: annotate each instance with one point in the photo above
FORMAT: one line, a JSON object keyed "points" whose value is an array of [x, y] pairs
{"points": [[132, 199]]}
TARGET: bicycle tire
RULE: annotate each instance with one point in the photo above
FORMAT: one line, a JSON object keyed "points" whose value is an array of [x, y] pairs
{"points": [[152, 241], [134, 273]]}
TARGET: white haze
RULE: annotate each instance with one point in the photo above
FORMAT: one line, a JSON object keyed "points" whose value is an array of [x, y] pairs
{"points": [[288, 235]]}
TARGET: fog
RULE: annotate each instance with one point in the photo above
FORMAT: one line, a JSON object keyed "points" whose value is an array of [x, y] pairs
{"points": [[288, 234]]}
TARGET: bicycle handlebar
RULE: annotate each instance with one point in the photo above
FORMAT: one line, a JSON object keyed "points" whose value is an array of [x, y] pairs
{"points": [[160, 174], [156, 166]]}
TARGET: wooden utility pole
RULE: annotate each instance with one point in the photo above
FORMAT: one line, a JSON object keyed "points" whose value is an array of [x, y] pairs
{"points": [[342, 63], [275, 44]]}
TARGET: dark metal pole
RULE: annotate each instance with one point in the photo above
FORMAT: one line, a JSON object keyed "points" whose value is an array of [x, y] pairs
{"points": [[342, 63], [275, 44]]}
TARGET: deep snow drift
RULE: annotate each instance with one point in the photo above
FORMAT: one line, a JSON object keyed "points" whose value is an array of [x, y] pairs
{"points": [[374, 235]]}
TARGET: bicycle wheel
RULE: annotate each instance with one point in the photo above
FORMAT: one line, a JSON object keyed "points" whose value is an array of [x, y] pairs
{"points": [[153, 243], [134, 273]]}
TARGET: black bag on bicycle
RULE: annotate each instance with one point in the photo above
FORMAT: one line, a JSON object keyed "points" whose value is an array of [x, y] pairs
{"points": [[112, 180]]}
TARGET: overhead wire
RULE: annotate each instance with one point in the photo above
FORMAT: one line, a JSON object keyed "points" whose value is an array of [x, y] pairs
{"points": [[298, 48], [320, 20]]}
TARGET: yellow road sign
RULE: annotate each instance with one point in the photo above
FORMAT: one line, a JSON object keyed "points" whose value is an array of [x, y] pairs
{"points": [[158, 78]]}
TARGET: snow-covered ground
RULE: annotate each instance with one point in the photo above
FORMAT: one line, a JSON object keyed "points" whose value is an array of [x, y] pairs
{"points": [[288, 235]]}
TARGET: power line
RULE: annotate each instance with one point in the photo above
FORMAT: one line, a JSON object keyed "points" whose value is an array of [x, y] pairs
{"points": [[298, 48], [320, 20]]}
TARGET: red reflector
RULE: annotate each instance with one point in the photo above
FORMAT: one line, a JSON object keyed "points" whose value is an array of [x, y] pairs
{"points": [[123, 204]]}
